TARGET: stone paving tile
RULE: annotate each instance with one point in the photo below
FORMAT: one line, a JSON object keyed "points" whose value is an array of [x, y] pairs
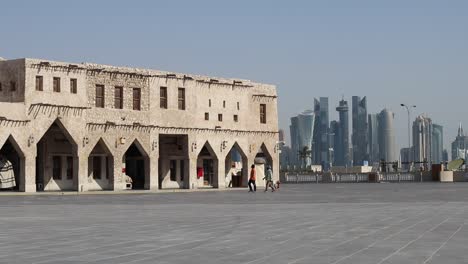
{"points": [[324, 223]]}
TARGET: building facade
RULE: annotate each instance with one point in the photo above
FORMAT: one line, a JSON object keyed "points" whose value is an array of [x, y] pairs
{"points": [[460, 145], [373, 133], [85, 127], [387, 147], [321, 151], [359, 136], [341, 146], [302, 131], [437, 144], [422, 139]]}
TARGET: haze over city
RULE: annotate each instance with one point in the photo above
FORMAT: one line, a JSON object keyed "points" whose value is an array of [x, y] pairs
{"points": [[392, 52]]}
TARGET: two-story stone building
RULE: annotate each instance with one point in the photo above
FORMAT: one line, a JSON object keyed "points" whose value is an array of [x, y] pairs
{"points": [[84, 127]]}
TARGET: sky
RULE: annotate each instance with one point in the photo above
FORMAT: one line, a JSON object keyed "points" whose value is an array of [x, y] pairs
{"points": [[395, 51]]}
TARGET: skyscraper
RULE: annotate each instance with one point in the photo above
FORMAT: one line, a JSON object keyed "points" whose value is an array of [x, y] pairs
{"points": [[437, 143], [321, 137], [359, 137], [422, 139], [386, 136], [302, 131], [335, 144], [373, 133], [460, 145], [341, 146]]}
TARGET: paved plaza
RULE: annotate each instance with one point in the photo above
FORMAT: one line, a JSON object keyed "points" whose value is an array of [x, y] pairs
{"points": [[309, 223]]}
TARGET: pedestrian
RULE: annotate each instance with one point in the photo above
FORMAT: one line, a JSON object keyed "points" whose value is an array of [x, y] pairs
{"points": [[269, 181], [252, 179]]}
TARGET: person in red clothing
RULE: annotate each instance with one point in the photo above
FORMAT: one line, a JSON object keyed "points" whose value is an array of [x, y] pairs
{"points": [[252, 179]]}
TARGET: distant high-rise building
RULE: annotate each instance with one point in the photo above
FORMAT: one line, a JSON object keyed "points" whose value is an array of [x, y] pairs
{"points": [[321, 137], [437, 143], [445, 156], [359, 137], [373, 133], [302, 131], [460, 145], [341, 147], [386, 136], [281, 135], [406, 155], [422, 139], [335, 141]]}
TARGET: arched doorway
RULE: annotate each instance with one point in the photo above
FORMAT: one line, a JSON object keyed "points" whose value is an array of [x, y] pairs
{"points": [[173, 161], [207, 167], [262, 160], [100, 167], [56, 160], [136, 166], [237, 167], [11, 166]]}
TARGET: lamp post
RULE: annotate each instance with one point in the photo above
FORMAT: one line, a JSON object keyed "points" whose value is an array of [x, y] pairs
{"points": [[408, 110]]}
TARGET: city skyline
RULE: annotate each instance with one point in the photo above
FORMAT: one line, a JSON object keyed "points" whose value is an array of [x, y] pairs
{"points": [[392, 52]]}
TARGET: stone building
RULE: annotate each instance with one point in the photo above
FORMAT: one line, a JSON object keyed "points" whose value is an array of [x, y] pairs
{"points": [[84, 127]]}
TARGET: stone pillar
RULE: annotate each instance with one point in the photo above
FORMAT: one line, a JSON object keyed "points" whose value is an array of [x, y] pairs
{"points": [[152, 182], [221, 172], [80, 165], [191, 182], [119, 179], [28, 174]]}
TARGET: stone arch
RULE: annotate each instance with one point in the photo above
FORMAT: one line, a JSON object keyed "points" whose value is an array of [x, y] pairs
{"points": [[100, 167], [263, 159], [57, 159], [136, 164], [236, 167], [174, 163], [14, 160], [207, 166], [64, 129]]}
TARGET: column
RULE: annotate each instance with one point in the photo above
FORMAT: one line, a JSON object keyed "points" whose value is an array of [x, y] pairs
{"points": [[28, 174], [191, 182], [152, 180]]}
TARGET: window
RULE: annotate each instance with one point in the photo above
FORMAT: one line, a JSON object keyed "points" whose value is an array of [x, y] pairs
{"points": [[97, 167], [263, 113], [238, 106], [207, 116], [209, 103], [181, 99], [137, 99], [13, 86], [118, 97], [39, 83], [163, 97], [57, 167], [220, 117], [224, 104], [56, 84], [236, 118], [70, 168], [100, 96], [73, 86]]}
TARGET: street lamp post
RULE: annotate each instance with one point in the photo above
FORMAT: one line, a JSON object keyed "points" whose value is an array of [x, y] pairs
{"points": [[408, 108]]}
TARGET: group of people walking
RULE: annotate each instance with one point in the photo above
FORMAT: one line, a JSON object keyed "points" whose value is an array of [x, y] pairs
{"points": [[268, 178]]}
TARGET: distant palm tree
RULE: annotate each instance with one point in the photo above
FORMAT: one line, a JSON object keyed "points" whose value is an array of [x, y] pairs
{"points": [[304, 155]]}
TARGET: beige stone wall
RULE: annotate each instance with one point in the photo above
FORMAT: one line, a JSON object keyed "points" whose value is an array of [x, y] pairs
{"points": [[28, 114]]}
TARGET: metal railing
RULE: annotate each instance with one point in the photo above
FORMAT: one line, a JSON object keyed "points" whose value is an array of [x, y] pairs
{"points": [[349, 178]]}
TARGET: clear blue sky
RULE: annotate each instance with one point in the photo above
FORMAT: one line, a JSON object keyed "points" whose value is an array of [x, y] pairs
{"points": [[392, 51]]}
